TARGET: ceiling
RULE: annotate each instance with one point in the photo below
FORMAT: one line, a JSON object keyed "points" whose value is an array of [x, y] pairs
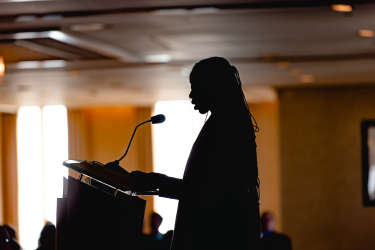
{"points": [[49, 61]]}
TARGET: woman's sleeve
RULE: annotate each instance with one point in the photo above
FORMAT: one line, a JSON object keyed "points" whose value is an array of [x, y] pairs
{"points": [[170, 187]]}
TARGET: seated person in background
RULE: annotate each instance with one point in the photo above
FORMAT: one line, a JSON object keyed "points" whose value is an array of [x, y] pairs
{"points": [[156, 221], [167, 240], [4, 239], [47, 237], [153, 241], [270, 239], [13, 239]]}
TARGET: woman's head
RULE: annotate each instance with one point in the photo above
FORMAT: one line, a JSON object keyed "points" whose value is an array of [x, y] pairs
{"points": [[214, 85]]}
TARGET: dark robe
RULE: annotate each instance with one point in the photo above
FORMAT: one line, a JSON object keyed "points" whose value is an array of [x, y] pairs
{"points": [[276, 241], [218, 202]]}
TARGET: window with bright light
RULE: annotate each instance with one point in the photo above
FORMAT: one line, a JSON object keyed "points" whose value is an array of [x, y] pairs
{"points": [[55, 151], [30, 176], [173, 140], [42, 141]]}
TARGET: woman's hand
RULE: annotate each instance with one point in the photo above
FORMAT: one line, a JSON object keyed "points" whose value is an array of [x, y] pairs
{"points": [[142, 180]]}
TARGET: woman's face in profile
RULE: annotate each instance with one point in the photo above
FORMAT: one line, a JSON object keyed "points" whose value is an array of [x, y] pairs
{"points": [[199, 98]]}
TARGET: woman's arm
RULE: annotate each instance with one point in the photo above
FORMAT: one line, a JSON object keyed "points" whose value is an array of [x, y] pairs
{"points": [[169, 187]]}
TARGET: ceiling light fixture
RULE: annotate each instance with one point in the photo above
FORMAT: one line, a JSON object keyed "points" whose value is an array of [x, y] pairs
{"points": [[366, 33], [2, 66], [341, 7], [41, 64], [162, 58]]}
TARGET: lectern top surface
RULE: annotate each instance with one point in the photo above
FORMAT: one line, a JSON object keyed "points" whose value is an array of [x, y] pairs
{"points": [[117, 180], [73, 161]]}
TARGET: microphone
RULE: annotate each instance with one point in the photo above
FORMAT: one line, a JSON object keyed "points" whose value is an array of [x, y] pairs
{"points": [[157, 119], [115, 165]]}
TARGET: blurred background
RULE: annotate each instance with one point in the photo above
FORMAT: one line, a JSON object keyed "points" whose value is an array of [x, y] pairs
{"points": [[76, 77]]}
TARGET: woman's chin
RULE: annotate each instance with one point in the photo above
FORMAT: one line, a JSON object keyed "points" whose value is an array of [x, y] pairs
{"points": [[203, 111]]}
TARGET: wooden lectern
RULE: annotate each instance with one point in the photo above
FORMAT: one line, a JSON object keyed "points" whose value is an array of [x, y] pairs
{"points": [[102, 212]]}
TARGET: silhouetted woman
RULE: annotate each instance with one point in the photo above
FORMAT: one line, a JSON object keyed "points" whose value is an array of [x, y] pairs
{"points": [[219, 193]]}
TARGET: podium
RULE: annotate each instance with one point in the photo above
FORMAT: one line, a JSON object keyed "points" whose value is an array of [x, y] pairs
{"points": [[102, 212]]}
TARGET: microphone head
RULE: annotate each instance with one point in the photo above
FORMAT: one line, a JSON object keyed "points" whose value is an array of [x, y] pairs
{"points": [[157, 119]]}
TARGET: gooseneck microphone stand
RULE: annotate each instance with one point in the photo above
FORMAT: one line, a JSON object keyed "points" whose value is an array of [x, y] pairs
{"points": [[115, 164]]}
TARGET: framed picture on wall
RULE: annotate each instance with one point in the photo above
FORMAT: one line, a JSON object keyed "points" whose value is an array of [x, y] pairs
{"points": [[368, 162]]}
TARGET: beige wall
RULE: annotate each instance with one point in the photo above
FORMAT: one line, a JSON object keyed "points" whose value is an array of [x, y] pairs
{"points": [[321, 167], [266, 115], [8, 161], [103, 134]]}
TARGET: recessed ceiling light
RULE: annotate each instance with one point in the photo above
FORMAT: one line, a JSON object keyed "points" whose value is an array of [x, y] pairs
{"points": [[87, 26], [307, 78], [162, 58], [366, 33], [342, 7]]}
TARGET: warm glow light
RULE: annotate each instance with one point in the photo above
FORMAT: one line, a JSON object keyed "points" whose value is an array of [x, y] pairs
{"points": [[2, 66], [306, 78], [173, 141], [283, 64], [55, 151], [30, 176], [342, 7], [366, 33]]}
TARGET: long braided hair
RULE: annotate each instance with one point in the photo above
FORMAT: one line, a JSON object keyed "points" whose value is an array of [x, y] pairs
{"points": [[255, 125], [218, 70]]}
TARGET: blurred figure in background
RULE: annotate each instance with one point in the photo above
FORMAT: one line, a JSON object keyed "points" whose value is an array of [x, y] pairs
{"points": [[270, 239], [4, 239], [47, 237], [13, 238], [153, 241], [167, 240], [156, 221]]}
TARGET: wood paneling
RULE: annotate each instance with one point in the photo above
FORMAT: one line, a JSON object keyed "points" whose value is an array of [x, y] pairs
{"points": [[8, 159]]}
